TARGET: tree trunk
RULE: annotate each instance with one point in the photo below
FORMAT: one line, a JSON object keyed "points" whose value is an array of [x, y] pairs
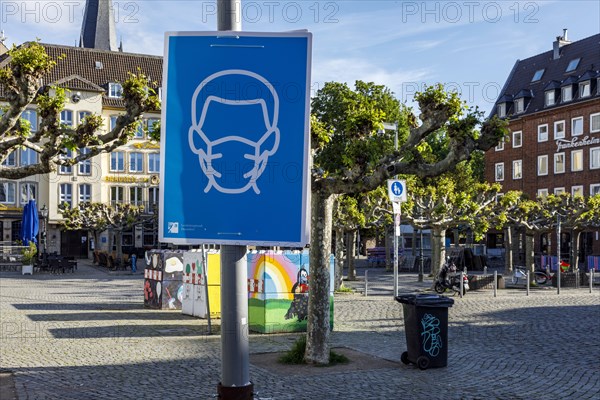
{"points": [[516, 250], [508, 251], [388, 251], [529, 254], [350, 251], [575, 236], [438, 249], [456, 237], [317, 329], [119, 236], [339, 259]]}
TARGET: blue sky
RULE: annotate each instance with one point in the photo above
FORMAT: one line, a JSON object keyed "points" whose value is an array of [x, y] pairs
{"points": [[470, 46]]}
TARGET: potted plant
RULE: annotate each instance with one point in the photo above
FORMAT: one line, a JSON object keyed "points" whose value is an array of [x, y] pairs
{"points": [[27, 256]]}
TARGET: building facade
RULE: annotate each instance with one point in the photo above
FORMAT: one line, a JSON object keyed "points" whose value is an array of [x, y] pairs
{"points": [[552, 103], [92, 78]]}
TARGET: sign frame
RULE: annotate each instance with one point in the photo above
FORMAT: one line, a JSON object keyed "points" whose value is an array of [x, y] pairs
{"points": [[234, 230]]}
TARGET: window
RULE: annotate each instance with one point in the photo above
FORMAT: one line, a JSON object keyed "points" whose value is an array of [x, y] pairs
{"points": [[500, 145], [559, 129], [519, 105], [595, 123], [135, 196], [549, 98], [152, 198], [28, 157], [517, 139], [115, 90], [499, 171], [594, 189], [577, 126], [501, 110], [31, 117], [559, 190], [85, 166], [577, 191], [595, 158], [85, 193], [567, 93], [517, 169], [538, 75], [65, 194], [113, 121], [572, 65], [82, 115], [10, 160], [585, 89], [116, 195], [543, 193], [139, 132], [153, 163], [117, 161], [151, 124], [576, 160], [28, 192], [559, 163], [66, 169], [543, 165], [136, 163], [66, 117], [543, 133], [7, 192]]}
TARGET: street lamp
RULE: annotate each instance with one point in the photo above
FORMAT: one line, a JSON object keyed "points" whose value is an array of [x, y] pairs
{"points": [[44, 214]]}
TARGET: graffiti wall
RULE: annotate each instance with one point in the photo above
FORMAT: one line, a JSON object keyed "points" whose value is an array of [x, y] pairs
{"points": [[278, 287]]}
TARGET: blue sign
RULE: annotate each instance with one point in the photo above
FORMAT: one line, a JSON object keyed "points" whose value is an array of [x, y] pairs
{"points": [[235, 138], [397, 190]]}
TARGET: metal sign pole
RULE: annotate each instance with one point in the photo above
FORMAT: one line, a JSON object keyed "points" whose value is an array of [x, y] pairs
{"points": [[558, 254], [235, 378]]}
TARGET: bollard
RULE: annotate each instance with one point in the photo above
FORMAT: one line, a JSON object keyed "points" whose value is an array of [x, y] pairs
{"points": [[485, 270], [527, 277], [495, 283], [462, 285], [591, 279], [577, 278], [366, 281]]}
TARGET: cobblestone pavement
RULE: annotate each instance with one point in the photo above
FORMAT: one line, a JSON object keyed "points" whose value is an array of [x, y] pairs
{"points": [[87, 336]]}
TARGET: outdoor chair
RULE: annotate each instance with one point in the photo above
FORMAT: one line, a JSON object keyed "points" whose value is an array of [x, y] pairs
{"points": [[54, 265], [66, 265]]}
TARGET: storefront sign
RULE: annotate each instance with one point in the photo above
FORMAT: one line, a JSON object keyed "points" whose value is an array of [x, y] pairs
{"points": [[575, 142]]}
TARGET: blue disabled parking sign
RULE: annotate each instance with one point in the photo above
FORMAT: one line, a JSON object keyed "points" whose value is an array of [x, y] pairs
{"points": [[234, 139]]}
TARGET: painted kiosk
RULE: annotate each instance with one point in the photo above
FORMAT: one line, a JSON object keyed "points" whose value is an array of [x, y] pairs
{"points": [[278, 286], [197, 267], [163, 282]]}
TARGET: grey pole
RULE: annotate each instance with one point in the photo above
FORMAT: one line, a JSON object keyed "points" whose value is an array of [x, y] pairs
{"points": [[235, 378], [495, 283], [421, 255], [591, 279], [395, 259], [527, 278], [366, 282], [558, 253]]}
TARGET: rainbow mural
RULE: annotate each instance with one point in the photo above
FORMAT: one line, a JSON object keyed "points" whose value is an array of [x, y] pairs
{"points": [[278, 285]]}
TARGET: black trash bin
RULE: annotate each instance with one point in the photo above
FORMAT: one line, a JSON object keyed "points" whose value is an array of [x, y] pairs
{"points": [[426, 326]]}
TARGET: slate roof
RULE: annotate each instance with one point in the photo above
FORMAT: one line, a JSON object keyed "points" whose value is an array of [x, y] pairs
{"points": [[77, 69], [519, 80]]}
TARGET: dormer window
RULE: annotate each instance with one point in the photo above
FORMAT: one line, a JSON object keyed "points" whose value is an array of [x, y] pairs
{"points": [[538, 75], [519, 105], [572, 65], [585, 89], [501, 110], [567, 93], [549, 97], [115, 90]]}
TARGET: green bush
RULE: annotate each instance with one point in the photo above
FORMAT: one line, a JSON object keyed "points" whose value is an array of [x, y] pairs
{"points": [[296, 354], [28, 254]]}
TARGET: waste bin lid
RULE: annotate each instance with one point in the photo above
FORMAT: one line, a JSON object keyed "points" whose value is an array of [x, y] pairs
{"points": [[425, 300]]}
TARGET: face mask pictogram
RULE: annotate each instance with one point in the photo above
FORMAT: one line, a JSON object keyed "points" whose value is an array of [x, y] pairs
{"points": [[234, 154]]}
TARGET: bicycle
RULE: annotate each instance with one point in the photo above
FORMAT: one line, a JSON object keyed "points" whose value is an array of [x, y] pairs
{"points": [[540, 276]]}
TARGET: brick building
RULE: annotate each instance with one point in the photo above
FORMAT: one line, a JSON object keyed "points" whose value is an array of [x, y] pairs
{"points": [[552, 103]]}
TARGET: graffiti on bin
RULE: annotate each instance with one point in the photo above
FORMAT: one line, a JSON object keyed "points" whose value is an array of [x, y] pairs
{"points": [[430, 335]]}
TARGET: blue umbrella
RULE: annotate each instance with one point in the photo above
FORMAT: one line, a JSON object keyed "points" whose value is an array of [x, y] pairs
{"points": [[30, 224]]}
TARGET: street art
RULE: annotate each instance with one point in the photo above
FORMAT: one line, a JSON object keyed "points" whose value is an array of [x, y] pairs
{"points": [[163, 285]]}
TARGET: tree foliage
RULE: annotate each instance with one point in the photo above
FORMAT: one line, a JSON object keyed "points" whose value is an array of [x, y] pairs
{"points": [[21, 84]]}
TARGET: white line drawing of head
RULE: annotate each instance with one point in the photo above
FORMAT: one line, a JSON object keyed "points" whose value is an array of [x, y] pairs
{"points": [[257, 151]]}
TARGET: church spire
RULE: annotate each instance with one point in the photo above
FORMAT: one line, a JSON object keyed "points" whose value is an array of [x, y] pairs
{"points": [[98, 29]]}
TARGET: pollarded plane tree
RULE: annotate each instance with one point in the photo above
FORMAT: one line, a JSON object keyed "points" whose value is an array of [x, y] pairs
{"points": [[349, 156]]}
